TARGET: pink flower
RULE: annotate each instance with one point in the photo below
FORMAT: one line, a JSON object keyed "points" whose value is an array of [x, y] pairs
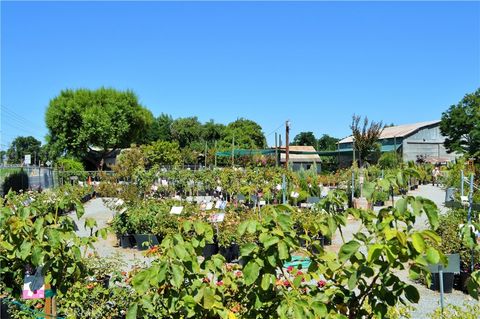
{"points": [[220, 283], [290, 268], [321, 283]]}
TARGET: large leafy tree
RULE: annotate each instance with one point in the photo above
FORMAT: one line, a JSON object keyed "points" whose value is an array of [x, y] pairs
{"points": [[160, 129], [213, 131], [186, 130], [247, 134], [460, 125], [92, 124], [327, 143], [305, 138], [365, 137], [24, 145]]}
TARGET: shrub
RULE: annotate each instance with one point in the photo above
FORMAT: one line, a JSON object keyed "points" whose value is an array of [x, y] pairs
{"points": [[388, 160], [17, 181]]}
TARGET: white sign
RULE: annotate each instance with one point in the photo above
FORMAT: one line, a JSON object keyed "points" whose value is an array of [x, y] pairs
{"points": [[262, 203], [209, 206], [217, 218], [294, 194], [28, 159], [176, 210]]}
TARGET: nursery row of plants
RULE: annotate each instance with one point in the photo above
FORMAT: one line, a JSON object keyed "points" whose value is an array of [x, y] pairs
{"points": [[283, 269]]}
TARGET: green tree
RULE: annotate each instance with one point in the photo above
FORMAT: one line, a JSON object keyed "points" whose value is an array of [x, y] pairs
{"points": [[365, 137], [160, 129], [248, 135], [213, 131], [186, 130], [24, 145], [305, 138], [327, 143], [162, 153], [460, 124], [92, 124]]}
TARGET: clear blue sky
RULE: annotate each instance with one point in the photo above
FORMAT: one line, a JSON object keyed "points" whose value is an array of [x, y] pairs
{"points": [[315, 63]]}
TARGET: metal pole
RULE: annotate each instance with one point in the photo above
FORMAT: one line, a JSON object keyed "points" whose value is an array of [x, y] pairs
{"points": [[470, 201], [440, 276], [276, 150], [215, 153], [233, 151], [206, 153], [287, 148], [353, 185]]}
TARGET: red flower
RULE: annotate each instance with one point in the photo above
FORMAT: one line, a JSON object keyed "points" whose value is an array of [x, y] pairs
{"points": [[286, 283], [290, 268], [220, 283], [321, 283]]}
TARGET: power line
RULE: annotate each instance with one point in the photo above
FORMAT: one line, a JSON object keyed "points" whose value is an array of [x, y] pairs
{"points": [[13, 115], [281, 125]]}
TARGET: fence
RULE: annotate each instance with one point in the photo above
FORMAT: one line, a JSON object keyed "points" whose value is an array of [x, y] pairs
{"points": [[38, 177]]}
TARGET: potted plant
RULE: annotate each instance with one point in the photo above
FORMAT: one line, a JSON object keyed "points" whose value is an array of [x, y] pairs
{"points": [[123, 229], [142, 221]]}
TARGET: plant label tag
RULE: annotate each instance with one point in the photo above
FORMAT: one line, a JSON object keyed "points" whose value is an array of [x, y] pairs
{"points": [[262, 203], [164, 182], [294, 194], [176, 210], [219, 189], [209, 206], [217, 218], [218, 204], [33, 287]]}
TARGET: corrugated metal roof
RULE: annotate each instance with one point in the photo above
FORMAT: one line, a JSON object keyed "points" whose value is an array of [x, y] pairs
{"points": [[300, 157], [397, 131]]}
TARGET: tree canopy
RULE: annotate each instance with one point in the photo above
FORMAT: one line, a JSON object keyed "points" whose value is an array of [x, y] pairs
{"points": [[305, 139], [460, 124], [248, 135], [24, 145], [365, 137], [91, 124], [327, 143]]}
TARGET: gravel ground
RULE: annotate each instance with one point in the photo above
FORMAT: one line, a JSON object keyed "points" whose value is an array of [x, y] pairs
{"points": [[429, 300]]}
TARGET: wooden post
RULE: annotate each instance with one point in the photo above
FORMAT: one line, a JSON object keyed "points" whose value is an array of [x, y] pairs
{"points": [[48, 302]]}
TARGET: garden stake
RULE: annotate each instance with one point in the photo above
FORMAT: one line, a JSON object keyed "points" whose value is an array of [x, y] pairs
{"points": [[440, 275]]}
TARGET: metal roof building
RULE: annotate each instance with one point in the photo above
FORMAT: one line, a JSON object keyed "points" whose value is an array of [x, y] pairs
{"points": [[411, 141]]}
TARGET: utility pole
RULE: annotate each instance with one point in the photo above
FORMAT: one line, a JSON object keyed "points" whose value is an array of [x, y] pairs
{"points": [[276, 150], [287, 148]]}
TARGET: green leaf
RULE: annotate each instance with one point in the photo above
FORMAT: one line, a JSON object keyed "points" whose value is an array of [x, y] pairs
{"points": [[347, 250], [141, 281], [252, 226], [242, 228], [269, 240], [432, 235], [177, 275], [267, 280], [283, 250], [25, 249], [352, 281], [374, 251], [411, 293], [180, 251], [199, 228], [247, 249], [401, 205], [208, 298], [433, 257], [251, 272], [37, 256], [320, 309], [132, 312], [418, 242]]}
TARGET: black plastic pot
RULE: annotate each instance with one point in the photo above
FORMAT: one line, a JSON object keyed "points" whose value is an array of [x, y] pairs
{"points": [[231, 252], [460, 281], [3, 310], [127, 241], [447, 282], [209, 250], [145, 241], [379, 203]]}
